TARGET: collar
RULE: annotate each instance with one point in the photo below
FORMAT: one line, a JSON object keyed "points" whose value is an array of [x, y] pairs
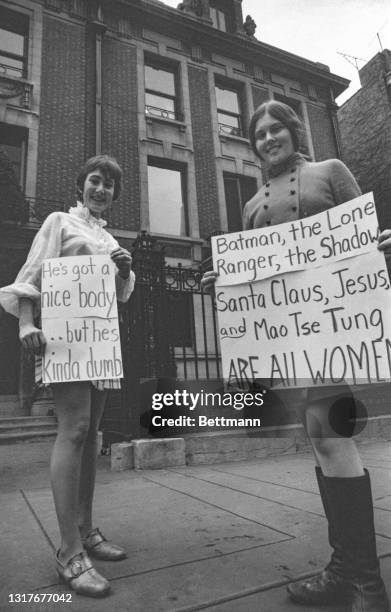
{"points": [[83, 212], [278, 169]]}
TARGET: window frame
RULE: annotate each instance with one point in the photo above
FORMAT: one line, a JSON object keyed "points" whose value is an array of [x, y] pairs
{"points": [[239, 180], [15, 23], [219, 11], [171, 68], [239, 131], [165, 164], [21, 135]]}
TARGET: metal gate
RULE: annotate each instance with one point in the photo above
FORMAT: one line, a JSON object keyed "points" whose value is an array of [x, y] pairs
{"points": [[168, 333]]}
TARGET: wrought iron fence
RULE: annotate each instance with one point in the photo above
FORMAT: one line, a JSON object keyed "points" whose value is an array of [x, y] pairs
{"points": [[168, 332]]}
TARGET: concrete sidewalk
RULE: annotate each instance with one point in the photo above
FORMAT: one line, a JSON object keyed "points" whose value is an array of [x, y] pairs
{"points": [[223, 538]]}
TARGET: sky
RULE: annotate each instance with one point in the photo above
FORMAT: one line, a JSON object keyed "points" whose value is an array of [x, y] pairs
{"points": [[319, 29]]}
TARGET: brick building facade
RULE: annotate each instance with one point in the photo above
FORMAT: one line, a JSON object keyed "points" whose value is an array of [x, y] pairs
{"points": [[168, 92], [365, 126]]}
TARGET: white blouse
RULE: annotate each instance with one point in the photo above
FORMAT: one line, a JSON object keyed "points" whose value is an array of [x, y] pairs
{"points": [[61, 235]]}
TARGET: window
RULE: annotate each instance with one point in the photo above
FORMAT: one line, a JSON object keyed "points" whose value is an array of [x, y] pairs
{"points": [[161, 98], [13, 148], [220, 18], [238, 190], [13, 43], [228, 111], [167, 206]]}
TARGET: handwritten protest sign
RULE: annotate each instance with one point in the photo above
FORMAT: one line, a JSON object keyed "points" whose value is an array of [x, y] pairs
{"points": [[325, 320], [80, 319]]}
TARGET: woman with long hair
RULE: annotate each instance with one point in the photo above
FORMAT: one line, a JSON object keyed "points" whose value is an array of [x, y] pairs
{"points": [[295, 189]]}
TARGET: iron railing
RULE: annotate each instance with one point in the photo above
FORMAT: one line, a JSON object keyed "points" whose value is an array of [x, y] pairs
{"points": [[13, 71], [230, 130], [168, 332], [163, 113]]}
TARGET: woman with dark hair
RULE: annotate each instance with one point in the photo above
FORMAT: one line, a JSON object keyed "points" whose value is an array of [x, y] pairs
{"points": [[295, 189], [79, 405]]}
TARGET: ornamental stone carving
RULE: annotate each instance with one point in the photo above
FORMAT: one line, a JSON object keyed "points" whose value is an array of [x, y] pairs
{"points": [[17, 91], [249, 26]]}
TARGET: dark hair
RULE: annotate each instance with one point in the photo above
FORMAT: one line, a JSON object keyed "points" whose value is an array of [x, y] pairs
{"points": [[283, 113], [109, 168]]}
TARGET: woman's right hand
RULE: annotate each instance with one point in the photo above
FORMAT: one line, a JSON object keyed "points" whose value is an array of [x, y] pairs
{"points": [[32, 338], [208, 281]]}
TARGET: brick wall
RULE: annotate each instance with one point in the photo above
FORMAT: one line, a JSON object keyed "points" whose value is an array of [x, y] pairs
{"points": [[204, 155], [365, 126], [120, 127], [322, 132], [61, 146]]}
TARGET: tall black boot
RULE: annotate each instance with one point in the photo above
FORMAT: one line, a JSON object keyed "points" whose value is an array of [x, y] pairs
{"points": [[330, 586], [351, 505]]}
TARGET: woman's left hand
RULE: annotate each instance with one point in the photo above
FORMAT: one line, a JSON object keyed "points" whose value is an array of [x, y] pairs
{"points": [[123, 260]]}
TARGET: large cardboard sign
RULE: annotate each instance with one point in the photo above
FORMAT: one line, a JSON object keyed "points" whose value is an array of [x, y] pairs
{"points": [[325, 319], [80, 319]]}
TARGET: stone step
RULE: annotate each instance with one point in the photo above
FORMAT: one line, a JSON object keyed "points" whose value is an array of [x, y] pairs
{"points": [[22, 436], [17, 429], [26, 421]]}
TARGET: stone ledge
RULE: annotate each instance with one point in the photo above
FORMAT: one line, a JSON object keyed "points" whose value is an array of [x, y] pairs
{"points": [[122, 456], [161, 453], [223, 446]]}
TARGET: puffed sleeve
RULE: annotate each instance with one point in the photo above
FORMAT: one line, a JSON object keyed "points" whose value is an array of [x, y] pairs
{"points": [[124, 286], [46, 244], [343, 183]]}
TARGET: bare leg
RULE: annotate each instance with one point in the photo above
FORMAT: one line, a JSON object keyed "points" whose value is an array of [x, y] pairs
{"points": [[337, 456], [88, 462], [72, 402]]}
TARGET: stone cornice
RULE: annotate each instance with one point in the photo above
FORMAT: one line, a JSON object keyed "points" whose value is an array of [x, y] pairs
{"points": [[172, 22]]}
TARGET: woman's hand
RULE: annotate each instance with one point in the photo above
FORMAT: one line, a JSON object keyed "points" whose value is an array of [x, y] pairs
{"points": [[123, 260], [208, 281], [32, 338], [384, 243]]}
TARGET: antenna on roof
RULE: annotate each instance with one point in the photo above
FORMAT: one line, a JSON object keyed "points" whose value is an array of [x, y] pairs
{"points": [[349, 59]]}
